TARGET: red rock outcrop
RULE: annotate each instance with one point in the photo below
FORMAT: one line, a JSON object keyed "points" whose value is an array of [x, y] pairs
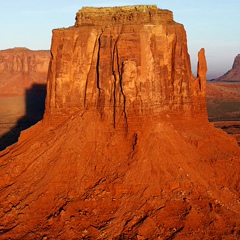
{"points": [[20, 68], [128, 62], [234, 73], [125, 150]]}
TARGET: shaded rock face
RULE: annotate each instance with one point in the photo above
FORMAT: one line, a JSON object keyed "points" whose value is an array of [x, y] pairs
{"points": [[125, 150], [20, 68], [128, 61], [234, 73]]}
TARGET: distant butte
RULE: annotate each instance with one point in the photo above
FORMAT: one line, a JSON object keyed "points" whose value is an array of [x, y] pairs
{"points": [[125, 150], [20, 68], [234, 73]]}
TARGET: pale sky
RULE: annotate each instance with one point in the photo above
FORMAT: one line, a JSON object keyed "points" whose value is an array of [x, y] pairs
{"points": [[211, 24]]}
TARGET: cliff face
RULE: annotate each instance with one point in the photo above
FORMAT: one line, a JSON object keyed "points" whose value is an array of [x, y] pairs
{"points": [[125, 150], [20, 68], [131, 61], [234, 73]]}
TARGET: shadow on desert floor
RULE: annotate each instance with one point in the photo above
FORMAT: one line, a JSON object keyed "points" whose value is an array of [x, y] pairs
{"points": [[34, 101]]}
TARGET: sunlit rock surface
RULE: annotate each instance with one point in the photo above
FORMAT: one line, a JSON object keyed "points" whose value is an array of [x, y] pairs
{"points": [[120, 64], [20, 68]]}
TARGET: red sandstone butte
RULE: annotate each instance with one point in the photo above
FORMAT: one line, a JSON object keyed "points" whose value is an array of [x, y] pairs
{"points": [[125, 150], [234, 73], [20, 68]]}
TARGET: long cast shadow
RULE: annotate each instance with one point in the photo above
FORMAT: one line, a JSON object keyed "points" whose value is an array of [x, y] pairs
{"points": [[34, 105]]}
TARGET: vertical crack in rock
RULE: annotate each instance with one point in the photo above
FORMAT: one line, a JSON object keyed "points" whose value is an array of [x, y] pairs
{"points": [[174, 45], [118, 77], [135, 139], [134, 145], [120, 72], [97, 64], [114, 87], [115, 56], [172, 89], [100, 101], [87, 78]]}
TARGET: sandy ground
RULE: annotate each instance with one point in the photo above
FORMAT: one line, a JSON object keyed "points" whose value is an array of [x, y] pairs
{"points": [[17, 114]]}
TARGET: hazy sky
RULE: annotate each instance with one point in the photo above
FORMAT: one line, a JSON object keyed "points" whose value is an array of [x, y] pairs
{"points": [[212, 24]]}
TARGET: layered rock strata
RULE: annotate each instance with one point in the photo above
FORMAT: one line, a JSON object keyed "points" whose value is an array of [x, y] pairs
{"points": [[23, 78], [78, 174], [123, 61], [20, 68]]}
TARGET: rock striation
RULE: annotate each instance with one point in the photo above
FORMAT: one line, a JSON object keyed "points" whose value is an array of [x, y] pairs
{"points": [[20, 68], [234, 73], [123, 61], [125, 150]]}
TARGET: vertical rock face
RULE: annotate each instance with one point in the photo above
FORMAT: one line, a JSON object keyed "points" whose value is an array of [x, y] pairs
{"points": [[124, 61], [20, 68]]}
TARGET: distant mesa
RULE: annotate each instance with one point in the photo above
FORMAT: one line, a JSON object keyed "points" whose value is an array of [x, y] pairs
{"points": [[233, 74], [23, 77], [20, 68]]}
